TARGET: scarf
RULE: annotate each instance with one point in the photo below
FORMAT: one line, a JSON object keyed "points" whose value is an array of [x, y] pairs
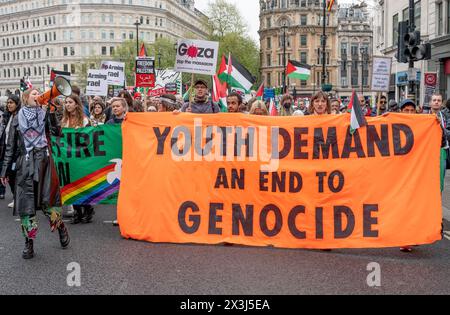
{"points": [[200, 100], [32, 127]]}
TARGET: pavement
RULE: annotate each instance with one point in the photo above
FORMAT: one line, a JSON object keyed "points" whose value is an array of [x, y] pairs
{"points": [[111, 265]]}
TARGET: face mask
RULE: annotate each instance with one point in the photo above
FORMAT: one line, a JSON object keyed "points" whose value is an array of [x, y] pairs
{"points": [[287, 105]]}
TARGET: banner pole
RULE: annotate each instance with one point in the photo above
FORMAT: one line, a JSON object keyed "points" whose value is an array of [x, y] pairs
{"points": [[190, 93], [378, 103]]}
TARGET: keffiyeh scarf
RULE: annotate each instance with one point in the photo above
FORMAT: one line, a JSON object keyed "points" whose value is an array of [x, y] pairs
{"points": [[32, 127]]}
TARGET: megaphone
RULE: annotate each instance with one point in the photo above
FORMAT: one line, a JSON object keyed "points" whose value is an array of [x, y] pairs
{"points": [[61, 86]]}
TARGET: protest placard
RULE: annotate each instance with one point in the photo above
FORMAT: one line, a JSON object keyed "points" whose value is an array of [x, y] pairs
{"points": [[116, 72], [97, 83], [196, 56]]}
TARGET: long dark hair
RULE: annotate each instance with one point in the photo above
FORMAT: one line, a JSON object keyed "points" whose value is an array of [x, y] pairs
{"points": [[79, 114], [127, 96], [7, 114]]}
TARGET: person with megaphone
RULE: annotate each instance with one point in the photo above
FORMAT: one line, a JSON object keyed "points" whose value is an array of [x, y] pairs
{"points": [[37, 184]]}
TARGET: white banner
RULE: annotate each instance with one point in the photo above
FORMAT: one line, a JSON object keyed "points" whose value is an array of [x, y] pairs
{"points": [[381, 74], [164, 77], [97, 83], [196, 56], [115, 71]]}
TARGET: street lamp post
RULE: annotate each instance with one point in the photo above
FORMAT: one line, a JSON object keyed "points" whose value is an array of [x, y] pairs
{"points": [[324, 43], [137, 24], [43, 78], [363, 54], [159, 60], [284, 28]]}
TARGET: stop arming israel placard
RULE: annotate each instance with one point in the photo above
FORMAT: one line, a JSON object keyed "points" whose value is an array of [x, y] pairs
{"points": [[196, 56], [97, 83], [116, 72]]}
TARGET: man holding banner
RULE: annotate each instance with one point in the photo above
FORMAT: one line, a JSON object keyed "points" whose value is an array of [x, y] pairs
{"points": [[201, 103]]}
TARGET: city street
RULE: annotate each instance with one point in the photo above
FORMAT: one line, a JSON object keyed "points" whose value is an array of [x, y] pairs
{"points": [[112, 265]]}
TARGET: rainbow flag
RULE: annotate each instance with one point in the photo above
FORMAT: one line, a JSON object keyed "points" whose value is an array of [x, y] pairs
{"points": [[91, 189], [330, 5], [89, 164]]}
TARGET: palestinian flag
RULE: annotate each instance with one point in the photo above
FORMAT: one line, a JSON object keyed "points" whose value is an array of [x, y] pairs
{"points": [[358, 120], [273, 111], [219, 94], [297, 70], [29, 84], [235, 74], [260, 93]]}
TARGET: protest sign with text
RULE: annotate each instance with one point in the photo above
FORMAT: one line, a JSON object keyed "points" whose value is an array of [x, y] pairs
{"points": [[145, 72], [196, 56], [381, 74], [97, 83], [263, 181], [116, 72]]}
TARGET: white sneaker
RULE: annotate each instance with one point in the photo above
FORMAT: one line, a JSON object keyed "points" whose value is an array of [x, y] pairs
{"points": [[11, 205]]}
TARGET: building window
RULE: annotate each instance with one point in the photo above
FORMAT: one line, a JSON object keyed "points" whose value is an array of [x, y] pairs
{"points": [[269, 42], [417, 14], [304, 40], [448, 16], [395, 29], [303, 20], [304, 57], [440, 19]]}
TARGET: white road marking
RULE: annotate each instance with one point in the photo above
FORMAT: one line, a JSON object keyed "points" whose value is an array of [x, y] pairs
{"points": [[447, 235], [446, 212]]}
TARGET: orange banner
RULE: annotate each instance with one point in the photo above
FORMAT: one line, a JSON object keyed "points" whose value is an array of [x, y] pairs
{"points": [[289, 182]]}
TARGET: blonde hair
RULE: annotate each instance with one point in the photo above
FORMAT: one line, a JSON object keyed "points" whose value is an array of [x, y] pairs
{"points": [[26, 96], [122, 101], [259, 105]]}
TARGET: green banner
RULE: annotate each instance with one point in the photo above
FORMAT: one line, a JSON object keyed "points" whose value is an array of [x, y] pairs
{"points": [[89, 164]]}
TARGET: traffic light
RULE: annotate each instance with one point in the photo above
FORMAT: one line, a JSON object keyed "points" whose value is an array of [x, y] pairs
{"points": [[23, 85], [402, 32], [410, 47]]}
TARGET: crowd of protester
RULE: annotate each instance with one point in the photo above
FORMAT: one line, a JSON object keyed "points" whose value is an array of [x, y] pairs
{"points": [[78, 111]]}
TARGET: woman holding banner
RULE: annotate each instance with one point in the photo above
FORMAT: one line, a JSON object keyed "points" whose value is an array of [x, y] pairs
{"points": [[37, 185], [98, 116], [74, 117], [320, 104]]}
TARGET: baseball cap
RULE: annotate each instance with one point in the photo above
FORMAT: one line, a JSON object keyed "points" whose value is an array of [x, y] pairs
{"points": [[201, 81], [407, 102]]}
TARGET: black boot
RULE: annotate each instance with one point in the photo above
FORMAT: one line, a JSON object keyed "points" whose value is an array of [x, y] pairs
{"points": [[64, 238], [77, 215], [88, 214], [28, 252]]}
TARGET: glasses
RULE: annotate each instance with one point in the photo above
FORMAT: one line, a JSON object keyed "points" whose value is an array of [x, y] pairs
{"points": [[383, 102]]}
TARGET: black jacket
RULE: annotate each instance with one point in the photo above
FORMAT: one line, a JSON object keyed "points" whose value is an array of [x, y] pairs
{"points": [[37, 182]]}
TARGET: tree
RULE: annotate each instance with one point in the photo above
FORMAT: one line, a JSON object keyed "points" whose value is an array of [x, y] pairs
{"points": [[225, 25], [224, 18], [244, 49]]}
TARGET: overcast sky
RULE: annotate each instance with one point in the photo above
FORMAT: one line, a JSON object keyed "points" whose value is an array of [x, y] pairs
{"points": [[249, 9]]}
